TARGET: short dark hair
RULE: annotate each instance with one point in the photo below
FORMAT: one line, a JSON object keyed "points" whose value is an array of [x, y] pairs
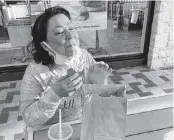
{"points": [[39, 33]]}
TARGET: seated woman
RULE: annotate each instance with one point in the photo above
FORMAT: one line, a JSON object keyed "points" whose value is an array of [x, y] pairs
{"points": [[46, 83]]}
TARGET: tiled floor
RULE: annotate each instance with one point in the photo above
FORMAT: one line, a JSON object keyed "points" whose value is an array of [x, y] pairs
{"points": [[140, 82]]}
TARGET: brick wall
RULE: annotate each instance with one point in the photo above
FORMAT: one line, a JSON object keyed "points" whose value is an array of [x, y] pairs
{"points": [[161, 42]]}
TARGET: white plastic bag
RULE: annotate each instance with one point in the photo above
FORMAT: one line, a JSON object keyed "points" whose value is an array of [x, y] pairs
{"points": [[104, 118]]}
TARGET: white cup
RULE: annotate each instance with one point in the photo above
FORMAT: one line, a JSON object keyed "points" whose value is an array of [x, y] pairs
{"points": [[53, 132]]}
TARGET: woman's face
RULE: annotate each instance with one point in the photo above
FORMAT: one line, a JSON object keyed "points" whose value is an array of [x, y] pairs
{"points": [[62, 35]]}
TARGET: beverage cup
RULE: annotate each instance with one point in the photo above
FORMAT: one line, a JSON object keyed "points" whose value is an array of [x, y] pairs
{"points": [[53, 132]]}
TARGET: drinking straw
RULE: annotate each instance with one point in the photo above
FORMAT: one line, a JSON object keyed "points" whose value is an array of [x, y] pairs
{"points": [[60, 124]]}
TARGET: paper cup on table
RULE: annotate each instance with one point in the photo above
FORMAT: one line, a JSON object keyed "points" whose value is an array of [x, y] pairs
{"points": [[53, 132]]}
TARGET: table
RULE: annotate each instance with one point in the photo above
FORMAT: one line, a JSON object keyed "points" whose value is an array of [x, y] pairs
{"points": [[43, 134]]}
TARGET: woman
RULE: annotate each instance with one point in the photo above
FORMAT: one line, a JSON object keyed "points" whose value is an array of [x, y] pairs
{"points": [[46, 85]]}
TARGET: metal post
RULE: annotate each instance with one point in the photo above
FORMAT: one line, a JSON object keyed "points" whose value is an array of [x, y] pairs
{"points": [[97, 49], [97, 40]]}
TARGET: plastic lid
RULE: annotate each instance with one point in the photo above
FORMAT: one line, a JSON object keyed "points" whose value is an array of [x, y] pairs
{"points": [[53, 132]]}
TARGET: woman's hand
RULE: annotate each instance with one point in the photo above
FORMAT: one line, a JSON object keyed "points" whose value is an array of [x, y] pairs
{"points": [[67, 84]]}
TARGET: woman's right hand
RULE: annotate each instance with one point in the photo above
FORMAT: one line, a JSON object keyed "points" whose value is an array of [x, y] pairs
{"points": [[67, 84]]}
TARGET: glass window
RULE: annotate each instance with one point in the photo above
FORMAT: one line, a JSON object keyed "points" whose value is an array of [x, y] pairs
{"points": [[125, 33], [125, 30]]}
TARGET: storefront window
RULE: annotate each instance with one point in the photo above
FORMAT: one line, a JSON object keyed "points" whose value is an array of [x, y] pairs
{"points": [[125, 30], [126, 22]]}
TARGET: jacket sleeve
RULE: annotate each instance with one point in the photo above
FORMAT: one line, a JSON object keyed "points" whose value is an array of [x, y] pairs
{"points": [[37, 106]]}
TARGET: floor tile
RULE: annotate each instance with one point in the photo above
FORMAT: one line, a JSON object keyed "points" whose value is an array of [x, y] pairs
{"points": [[150, 85], [122, 70], [18, 84], [123, 73], [129, 78], [146, 70], [116, 78], [11, 105], [135, 83], [138, 75], [167, 68], [11, 90], [142, 81], [1, 107], [157, 91], [5, 84], [166, 85], [130, 96], [147, 80], [128, 87], [18, 136], [136, 88], [135, 96], [170, 90], [2, 137], [116, 82], [124, 82], [19, 118], [6, 129], [20, 127], [10, 96], [164, 78], [157, 80], [2, 101], [143, 88], [144, 94], [115, 72], [170, 84], [169, 77], [133, 70], [4, 117], [131, 92], [13, 116], [14, 108], [13, 85], [16, 98], [9, 99], [3, 87]]}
